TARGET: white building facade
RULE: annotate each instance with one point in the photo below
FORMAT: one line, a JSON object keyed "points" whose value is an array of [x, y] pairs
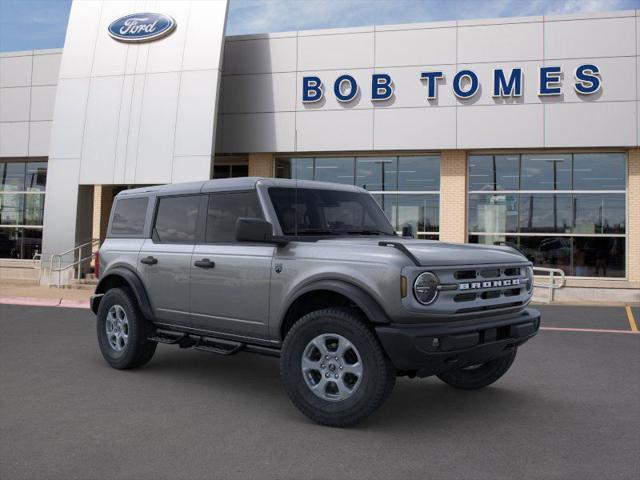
{"points": [[521, 131]]}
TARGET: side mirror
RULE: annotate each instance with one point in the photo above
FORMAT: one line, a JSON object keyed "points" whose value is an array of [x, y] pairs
{"points": [[256, 230], [407, 231], [253, 230]]}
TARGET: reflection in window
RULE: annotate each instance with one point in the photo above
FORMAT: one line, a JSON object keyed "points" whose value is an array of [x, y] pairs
{"points": [[588, 218], [400, 178], [176, 219]]}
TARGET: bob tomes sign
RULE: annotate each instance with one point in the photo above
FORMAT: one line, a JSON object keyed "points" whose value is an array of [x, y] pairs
{"points": [[465, 84], [141, 27]]}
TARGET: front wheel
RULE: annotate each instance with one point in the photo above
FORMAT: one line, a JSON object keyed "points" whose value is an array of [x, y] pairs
{"points": [[481, 375], [334, 369]]}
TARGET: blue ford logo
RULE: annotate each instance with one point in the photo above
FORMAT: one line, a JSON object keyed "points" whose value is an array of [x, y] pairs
{"points": [[141, 27]]}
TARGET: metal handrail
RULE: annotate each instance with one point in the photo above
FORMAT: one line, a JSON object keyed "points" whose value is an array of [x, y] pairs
{"points": [[551, 276], [78, 248]]}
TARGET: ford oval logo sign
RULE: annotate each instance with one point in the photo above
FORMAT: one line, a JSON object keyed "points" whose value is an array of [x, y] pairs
{"points": [[141, 27]]}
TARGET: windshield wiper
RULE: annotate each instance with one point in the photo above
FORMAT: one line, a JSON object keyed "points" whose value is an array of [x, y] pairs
{"points": [[317, 231]]}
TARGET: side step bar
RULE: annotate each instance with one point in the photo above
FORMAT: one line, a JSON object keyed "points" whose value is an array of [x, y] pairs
{"points": [[221, 346]]}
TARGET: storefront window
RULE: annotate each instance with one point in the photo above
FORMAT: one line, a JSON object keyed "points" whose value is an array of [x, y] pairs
{"points": [[562, 211], [22, 188], [406, 187]]}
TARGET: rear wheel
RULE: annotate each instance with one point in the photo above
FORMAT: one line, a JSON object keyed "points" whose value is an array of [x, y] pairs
{"points": [[481, 375], [123, 330], [334, 369]]}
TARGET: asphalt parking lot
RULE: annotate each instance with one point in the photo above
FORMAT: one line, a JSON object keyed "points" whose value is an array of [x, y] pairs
{"points": [[568, 409]]}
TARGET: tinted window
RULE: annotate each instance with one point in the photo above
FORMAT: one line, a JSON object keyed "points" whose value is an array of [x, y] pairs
{"points": [[128, 216], [494, 172], [543, 212], [327, 212], [176, 219], [599, 171], [377, 173], [546, 172], [224, 210], [419, 174], [336, 170]]}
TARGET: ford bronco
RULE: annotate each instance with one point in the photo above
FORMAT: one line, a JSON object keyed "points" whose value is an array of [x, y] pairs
{"points": [[312, 273]]}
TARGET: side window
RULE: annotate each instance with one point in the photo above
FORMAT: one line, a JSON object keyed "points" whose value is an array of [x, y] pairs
{"points": [[176, 219], [224, 210], [128, 217]]}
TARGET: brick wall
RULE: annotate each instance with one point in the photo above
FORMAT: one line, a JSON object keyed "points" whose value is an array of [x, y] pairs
{"points": [[453, 196], [261, 164]]}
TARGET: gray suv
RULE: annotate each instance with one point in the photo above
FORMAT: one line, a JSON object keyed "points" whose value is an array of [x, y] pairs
{"points": [[312, 273]]}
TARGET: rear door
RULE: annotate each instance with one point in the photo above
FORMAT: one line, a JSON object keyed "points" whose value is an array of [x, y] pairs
{"points": [[165, 259], [230, 280]]}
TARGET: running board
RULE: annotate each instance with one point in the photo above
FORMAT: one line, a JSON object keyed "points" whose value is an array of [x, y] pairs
{"points": [[220, 346]]}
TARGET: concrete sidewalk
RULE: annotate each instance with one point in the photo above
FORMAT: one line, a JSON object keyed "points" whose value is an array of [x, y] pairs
{"points": [[17, 293]]}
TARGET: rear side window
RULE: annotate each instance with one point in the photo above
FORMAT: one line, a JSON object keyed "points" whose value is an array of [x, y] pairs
{"points": [[176, 219], [224, 210], [128, 217]]}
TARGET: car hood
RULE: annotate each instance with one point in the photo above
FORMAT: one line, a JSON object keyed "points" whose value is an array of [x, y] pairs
{"points": [[435, 253]]}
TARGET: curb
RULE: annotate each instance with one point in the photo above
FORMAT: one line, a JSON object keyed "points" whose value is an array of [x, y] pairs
{"points": [[44, 302]]}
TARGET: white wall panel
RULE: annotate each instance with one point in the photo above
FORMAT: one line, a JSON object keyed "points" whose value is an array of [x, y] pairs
{"points": [[591, 124], [260, 55], [333, 130], [134, 128], [101, 130], [15, 71], [14, 139], [259, 93], [203, 44], [500, 43], [157, 128], [39, 137], [46, 69], [191, 168], [196, 113], [80, 40], [506, 126], [14, 104], [415, 47], [327, 52], [329, 101], [259, 132], [70, 106], [415, 128], [590, 38], [166, 55], [42, 102], [110, 56]]}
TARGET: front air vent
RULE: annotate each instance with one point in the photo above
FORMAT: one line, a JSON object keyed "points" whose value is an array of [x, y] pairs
{"points": [[490, 294], [465, 275], [464, 297], [512, 272], [491, 273]]}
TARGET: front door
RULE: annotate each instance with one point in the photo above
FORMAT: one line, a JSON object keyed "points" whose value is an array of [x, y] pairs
{"points": [[230, 280], [165, 260]]}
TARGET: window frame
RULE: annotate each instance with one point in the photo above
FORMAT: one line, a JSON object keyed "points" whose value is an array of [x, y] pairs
{"points": [[146, 215], [208, 197], [520, 153], [198, 232]]}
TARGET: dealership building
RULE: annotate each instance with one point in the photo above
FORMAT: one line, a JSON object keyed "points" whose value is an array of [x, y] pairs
{"points": [[519, 131]]}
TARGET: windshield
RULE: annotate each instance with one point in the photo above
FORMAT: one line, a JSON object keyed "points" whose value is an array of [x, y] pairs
{"points": [[328, 212]]}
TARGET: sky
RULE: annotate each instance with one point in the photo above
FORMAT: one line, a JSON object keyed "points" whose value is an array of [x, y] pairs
{"points": [[34, 24]]}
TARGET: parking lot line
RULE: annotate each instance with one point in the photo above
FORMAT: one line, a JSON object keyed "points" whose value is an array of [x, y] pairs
{"points": [[589, 330], [632, 321]]}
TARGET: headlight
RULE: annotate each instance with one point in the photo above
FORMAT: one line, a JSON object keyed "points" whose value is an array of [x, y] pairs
{"points": [[529, 279], [425, 288]]}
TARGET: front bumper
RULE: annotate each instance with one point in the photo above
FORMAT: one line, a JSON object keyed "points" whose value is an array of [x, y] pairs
{"points": [[431, 349]]}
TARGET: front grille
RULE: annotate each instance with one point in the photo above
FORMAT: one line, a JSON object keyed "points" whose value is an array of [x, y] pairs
{"points": [[482, 288]]}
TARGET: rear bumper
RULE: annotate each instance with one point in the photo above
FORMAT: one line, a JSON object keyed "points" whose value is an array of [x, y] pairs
{"points": [[431, 349]]}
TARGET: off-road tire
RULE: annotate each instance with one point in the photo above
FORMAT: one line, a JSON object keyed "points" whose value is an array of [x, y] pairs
{"points": [[138, 350], [479, 377], [378, 377]]}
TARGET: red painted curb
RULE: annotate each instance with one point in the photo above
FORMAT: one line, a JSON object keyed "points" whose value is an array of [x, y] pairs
{"points": [[44, 302]]}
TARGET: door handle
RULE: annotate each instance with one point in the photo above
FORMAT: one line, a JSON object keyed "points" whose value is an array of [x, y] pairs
{"points": [[204, 263], [149, 260]]}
